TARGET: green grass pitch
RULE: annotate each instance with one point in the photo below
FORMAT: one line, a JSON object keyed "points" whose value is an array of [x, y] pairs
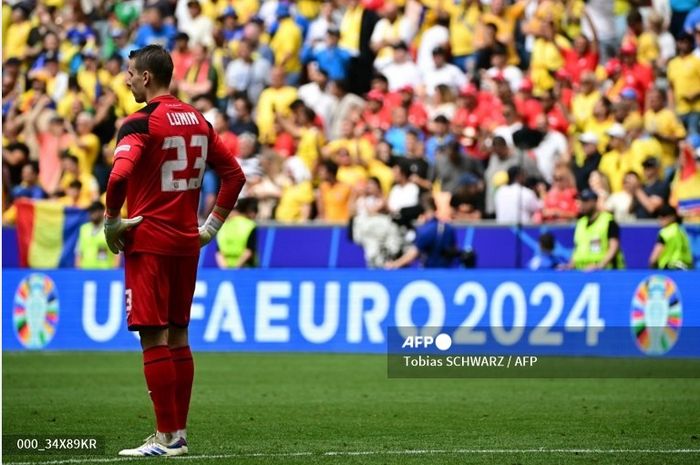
{"points": [[328, 409]]}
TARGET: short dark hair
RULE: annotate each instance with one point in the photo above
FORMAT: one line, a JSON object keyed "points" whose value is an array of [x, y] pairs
{"points": [[35, 166], [156, 60], [76, 184], [19, 146], [331, 167], [546, 241], [96, 206], [247, 205]]}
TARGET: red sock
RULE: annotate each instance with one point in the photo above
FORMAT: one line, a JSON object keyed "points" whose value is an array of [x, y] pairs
{"points": [[184, 371], [160, 379]]}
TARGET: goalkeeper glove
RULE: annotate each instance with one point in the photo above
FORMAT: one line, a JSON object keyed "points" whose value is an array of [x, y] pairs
{"points": [[114, 231], [208, 230]]}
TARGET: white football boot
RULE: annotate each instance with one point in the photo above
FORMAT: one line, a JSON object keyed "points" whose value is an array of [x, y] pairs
{"points": [[158, 445]]}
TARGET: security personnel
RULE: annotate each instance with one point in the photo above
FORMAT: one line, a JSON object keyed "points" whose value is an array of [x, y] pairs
{"points": [[237, 238], [597, 237], [91, 251], [672, 250]]}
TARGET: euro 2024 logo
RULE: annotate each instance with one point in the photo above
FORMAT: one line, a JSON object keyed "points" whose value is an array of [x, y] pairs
{"points": [[657, 315], [35, 312]]}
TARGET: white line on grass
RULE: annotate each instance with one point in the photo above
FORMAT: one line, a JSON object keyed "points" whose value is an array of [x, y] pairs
{"points": [[372, 452]]}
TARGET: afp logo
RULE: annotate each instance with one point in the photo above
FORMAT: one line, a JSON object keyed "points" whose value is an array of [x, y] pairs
{"points": [[442, 341]]}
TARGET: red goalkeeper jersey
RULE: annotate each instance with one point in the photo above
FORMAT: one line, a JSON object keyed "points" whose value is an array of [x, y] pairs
{"points": [[161, 154]]}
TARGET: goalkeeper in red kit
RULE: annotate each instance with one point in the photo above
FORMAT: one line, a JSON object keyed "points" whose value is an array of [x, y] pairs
{"points": [[161, 154]]}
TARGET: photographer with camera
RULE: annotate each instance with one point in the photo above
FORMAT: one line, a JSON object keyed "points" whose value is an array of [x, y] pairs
{"points": [[435, 243]]}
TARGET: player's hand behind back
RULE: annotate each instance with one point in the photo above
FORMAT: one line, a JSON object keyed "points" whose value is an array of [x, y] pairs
{"points": [[114, 231]]}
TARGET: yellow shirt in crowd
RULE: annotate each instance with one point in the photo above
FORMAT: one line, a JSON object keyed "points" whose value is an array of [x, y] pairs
{"points": [[666, 124], [684, 75]]}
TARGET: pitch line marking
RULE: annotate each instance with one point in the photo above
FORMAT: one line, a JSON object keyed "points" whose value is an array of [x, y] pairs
{"points": [[370, 452]]}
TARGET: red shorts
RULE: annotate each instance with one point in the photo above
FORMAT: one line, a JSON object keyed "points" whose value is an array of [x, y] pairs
{"points": [[159, 290]]}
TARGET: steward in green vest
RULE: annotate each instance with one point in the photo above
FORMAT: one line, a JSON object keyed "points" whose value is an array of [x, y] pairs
{"points": [[597, 237], [237, 237], [672, 250], [91, 251]]}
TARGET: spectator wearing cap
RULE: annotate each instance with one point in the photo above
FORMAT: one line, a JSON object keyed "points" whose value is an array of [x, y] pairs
{"points": [[632, 74], [286, 43], [661, 123], [672, 250], [589, 142], [684, 77], [332, 59], [514, 203], [91, 251], [153, 30], [596, 237], [15, 43], [649, 197], [247, 73], [392, 28], [401, 71], [619, 159], [230, 28]]}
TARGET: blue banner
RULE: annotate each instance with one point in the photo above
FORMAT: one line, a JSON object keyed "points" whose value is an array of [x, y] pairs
{"points": [[565, 313], [496, 247]]}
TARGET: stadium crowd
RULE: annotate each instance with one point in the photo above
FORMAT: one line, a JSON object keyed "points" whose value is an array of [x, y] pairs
{"points": [[351, 109]]}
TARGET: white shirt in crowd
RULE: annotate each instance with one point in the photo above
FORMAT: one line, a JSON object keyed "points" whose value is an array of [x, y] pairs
{"points": [[434, 37], [552, 148], [448, 74], [401, 74], [516, 203], [403, 197]]}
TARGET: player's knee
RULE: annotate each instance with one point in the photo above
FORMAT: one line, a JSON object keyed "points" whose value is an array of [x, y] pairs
{"points": [[177, 337], [153, 337]]}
